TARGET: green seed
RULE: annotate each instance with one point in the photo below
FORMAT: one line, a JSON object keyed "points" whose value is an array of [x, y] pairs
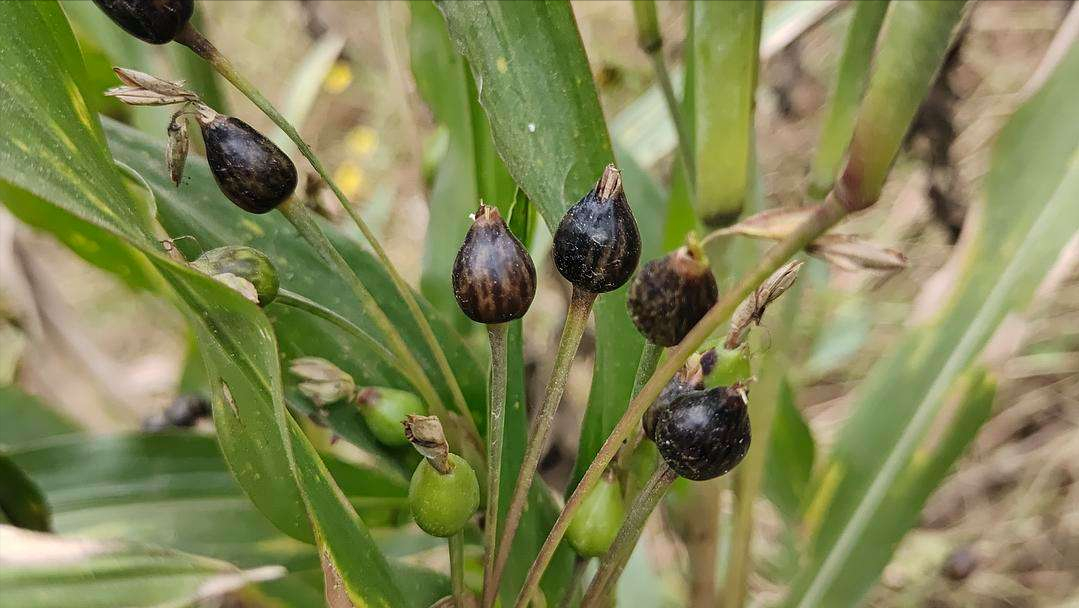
{"points": [[384, 409], [593, 528], [443, 504]]}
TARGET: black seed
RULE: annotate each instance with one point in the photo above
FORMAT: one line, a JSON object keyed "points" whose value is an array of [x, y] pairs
{"points": [[494, 279], [251, 171], [154, 21], [677, 387], [670, 295], [597, 245], [704, 434]]}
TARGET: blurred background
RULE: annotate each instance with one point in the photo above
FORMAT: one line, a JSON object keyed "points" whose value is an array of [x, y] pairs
{"points": [[1002, 531]]}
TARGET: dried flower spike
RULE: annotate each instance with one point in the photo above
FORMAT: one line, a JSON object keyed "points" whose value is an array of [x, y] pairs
{"points": [[494, 279], [704, 434], [176, 147], [244, 262], [597, 245], [671, 294], [321, 381], [153, 21]]}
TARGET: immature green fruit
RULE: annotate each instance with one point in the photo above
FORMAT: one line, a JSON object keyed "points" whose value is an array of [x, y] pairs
{"points": [[597, 244], [725, 366], [494, 279], [153, 21], [247, 263], [596, 523], [704, 434], [250, 169], [384, 409], [671, 294], [443, 503]]}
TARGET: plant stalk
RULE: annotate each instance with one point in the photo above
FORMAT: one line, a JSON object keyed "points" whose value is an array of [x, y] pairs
{"points": [[650, 355], [495, 431], [612, 564], [580, 306], [824, 216], [193, 39], [457, 568], [301, 219]]}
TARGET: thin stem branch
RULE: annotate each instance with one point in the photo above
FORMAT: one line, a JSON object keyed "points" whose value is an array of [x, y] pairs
{"points": [[663, 77], [824, 217], [612, 564], [300, 302], [194, 40], [457, 569], [650, 355], [495, 430], [301, 219], [576, 319]]}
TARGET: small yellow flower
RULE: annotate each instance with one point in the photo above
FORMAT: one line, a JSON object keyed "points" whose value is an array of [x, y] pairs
{"points": [[362, 141], [350, 178], [338, 78]]}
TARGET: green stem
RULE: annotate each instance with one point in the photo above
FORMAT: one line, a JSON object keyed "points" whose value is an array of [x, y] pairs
{"points": [[824, 217], [299, 302], [305, 224], [612, 564], [650, 355], [194, 40], [457, 569], [495, 431], [576, 319]]}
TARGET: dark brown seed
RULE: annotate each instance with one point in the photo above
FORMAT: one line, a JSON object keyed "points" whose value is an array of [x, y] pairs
{"points": [[153, 21], [494, 279], [252, 172], [677, 387], [670, 295], [704, 434], [597, 245]]}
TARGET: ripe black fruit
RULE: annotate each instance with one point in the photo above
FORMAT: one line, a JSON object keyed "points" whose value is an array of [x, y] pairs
{"points": [[670, 295], [597, 245], [252, 172], [704, 434], [494, 279], [154, 21]]}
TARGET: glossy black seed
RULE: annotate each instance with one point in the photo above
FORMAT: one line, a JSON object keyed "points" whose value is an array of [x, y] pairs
{"points": [[704, 434], [597, 245], [670, 295], [494, 279], [251, 171], [245, 262], [154, 21], [677, 387]]}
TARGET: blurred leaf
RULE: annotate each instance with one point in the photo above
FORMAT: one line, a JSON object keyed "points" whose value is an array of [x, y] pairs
{"points": [[46, 571], [842, 109], [726, 39], [790, 458], [1028, 216], [80, 198], [21, 501], [305, 84], [25, 418]]}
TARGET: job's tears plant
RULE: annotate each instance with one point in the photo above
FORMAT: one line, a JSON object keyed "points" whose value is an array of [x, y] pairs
{"points": [[695, 389]]}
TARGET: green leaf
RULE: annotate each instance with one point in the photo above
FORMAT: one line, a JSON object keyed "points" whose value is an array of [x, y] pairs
{"points": [[790, 458], [47, 571], [199, 209], [726, 37], [846, 94], [21, 501], [1028, 216], [53, 159], [25, 418]]}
